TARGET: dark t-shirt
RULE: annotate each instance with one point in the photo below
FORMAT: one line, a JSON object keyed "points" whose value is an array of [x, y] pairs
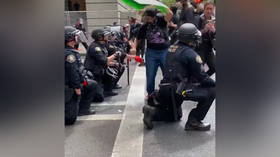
{"points": [[156, 34], [187, 16], [207, 37], [134, 29]]}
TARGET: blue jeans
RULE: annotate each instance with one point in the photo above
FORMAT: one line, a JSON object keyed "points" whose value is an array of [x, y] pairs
{"points": [[154, 59]]}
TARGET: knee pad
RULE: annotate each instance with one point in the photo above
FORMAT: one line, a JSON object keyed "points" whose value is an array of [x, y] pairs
{"points": [[92, 84]]}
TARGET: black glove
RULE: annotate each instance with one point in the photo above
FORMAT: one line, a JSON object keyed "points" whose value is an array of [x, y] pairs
{"points": [[90, 75], [87, 74]]}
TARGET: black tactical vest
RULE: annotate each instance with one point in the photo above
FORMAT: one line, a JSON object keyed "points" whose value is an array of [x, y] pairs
{"points": [[92, 65], [71, 51], [175, 70]]}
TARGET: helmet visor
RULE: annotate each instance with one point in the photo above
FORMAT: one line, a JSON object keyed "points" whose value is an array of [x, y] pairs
{"points": [[80, 36], [198, 36]]}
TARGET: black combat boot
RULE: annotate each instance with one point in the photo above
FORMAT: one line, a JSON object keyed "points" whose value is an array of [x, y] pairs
{"points": [[117, 86], [85, 112], [149, 113], [98, 98], [197, 125], [110, 93]]}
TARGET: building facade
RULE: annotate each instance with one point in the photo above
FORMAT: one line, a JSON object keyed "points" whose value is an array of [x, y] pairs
{"points": [[97, 13]]}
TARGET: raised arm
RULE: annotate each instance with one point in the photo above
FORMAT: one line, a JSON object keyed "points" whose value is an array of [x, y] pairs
{"points": [[169, 15]]}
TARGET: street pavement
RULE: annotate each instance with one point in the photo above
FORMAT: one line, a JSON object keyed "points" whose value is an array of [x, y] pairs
{"points": [[117, 129]]}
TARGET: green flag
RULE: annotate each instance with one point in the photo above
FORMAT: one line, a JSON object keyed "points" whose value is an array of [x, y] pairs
{"points": [[133, 4], [140, 4]]}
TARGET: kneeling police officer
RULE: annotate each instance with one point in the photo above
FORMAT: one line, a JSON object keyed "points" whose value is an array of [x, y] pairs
{"points": [[184, 79], [97, 61], [79, 88]]}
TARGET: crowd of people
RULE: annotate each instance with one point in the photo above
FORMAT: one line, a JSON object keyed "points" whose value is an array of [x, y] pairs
{"points": [[186, 30]]}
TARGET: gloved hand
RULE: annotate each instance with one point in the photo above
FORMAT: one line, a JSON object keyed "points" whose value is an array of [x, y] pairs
{"points": [[138, 59], [90, 75], [87, 74], [118, 54]]}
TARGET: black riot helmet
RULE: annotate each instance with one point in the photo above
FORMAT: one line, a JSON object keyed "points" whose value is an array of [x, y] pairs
{"points": [[189, 34], [73, 34], [70, 33], [98, 34]]}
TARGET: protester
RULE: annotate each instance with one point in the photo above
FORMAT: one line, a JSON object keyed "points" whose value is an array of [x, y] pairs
{"points": [[207, 26], [187, 13], [173, 24], [155, 32]]}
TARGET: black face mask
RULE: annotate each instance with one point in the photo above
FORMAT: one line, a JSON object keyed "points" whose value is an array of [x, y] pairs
{"points": [[76, 44]]}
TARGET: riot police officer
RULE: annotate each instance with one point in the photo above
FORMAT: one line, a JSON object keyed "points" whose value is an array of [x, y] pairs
{"points": [[184, 79], [97, 61], [79, 89], [119, 67]]}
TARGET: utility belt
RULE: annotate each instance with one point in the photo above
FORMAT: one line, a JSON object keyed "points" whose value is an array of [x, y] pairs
{"points": [[180, 89], [99, 71]]}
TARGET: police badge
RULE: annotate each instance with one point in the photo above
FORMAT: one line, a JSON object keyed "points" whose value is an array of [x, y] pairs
{"points": [[71, 59]]}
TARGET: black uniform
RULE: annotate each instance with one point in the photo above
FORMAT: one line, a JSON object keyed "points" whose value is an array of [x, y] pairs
{"points": [[134, 29], [96, 62], [76, 78], [114, 46], [112, 49], [198, 86], [73, 77], [184, 79]]}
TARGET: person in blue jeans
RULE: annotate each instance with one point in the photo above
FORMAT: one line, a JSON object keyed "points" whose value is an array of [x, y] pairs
{"points": [[155, 31]]}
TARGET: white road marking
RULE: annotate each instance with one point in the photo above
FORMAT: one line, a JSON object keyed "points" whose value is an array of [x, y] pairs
{"points": [[101, 117], [110, 103], [129, 140]]}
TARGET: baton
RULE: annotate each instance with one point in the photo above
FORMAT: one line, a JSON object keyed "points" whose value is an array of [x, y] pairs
{"points": [[127, 67]]}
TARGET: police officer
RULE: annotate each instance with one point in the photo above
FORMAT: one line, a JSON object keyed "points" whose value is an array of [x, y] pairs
{"points": [[119, 67], [97, 61], [79, 89], [184, 80]]}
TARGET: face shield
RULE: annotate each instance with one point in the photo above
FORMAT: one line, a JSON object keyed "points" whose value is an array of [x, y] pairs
{"points": [[106, 35], [198, 37], [196, 40], [113, 36], [80, 37]]}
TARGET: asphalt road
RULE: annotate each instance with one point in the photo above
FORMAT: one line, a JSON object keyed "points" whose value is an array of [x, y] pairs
{"points": [[117, 129]]}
